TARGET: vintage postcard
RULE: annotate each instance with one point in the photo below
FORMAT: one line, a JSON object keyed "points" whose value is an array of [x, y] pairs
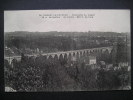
{"points": [[67, 50]]}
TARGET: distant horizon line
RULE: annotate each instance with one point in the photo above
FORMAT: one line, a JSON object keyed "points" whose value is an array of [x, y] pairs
{"points": [[67, 31]]}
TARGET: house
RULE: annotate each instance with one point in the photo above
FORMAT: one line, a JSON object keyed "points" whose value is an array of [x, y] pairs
{"points": [[123, 64], [92, 60]]}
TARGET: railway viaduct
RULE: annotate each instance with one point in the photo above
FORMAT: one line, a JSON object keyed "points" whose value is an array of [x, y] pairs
{"points": [[65, 54]]}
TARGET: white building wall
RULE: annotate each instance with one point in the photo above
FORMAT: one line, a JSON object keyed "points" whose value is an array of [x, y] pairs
{"points": [[92, 61]]}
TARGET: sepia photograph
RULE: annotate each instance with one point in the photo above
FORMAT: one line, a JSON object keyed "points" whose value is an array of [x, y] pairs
{"points": [[67, 50]]}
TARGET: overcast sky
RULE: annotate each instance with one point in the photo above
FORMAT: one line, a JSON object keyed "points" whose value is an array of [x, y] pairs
{"points": [[103, 20]]}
